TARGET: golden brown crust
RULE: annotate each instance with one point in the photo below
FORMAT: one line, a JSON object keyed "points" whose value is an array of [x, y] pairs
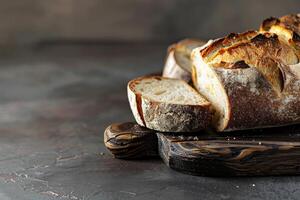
{"points": [[235, 65], [268, 23], [251, 50], [230, 40], [264, 51], [287, 27], [290, 22], [260, 75]]}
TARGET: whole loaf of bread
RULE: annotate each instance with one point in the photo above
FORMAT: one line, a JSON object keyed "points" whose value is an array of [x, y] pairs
{"points": [[252, 80]]}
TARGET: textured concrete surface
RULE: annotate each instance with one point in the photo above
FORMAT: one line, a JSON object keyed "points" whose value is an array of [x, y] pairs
{"points": [[54, 105]]}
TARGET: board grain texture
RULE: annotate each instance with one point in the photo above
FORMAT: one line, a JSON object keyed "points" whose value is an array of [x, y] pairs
{"points": [[261, 152], [129, 140]]}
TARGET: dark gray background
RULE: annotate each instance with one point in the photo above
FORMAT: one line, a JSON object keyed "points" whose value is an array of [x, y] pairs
{"points": [[64, 66], [30, 21]]}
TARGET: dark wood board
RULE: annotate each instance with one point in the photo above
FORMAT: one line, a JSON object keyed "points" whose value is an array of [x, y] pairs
{"points": [[263, 152], [129, 140]]}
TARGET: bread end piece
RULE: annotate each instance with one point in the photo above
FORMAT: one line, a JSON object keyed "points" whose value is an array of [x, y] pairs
{"points": [[178, 63], [172, 68]]}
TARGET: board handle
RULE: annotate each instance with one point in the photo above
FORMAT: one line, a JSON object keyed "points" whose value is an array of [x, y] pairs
{"points": [[130, 141]]}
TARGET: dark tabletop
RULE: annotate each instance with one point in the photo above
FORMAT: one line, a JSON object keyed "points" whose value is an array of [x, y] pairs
{"points": [[55, 103]]}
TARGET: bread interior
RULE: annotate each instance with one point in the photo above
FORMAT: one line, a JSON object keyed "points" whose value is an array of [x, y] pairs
{"points": [[171, 91]]}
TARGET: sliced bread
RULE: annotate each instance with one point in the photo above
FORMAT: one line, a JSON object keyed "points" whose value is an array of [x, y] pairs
{"points": [[168, 105], [178, 63]]}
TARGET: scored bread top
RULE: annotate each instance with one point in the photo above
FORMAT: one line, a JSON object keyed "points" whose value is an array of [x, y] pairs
{"points": [[289, 22], [166, 90], [286, 27], [249, 49], [264, 51], [211, 50]]}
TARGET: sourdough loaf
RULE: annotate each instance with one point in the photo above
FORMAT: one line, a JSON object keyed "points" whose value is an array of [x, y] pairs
{"points": [[178, 64], [167, 105], [251, 79]]}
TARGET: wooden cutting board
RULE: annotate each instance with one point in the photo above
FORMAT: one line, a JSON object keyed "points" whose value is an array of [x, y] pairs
{"points": [[262, 152]]}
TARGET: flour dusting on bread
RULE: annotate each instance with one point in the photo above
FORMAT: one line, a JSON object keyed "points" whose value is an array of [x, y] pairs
{"points": [[262, 92], [168, 105]]}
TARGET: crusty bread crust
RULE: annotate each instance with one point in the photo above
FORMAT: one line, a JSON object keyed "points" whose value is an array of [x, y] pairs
{"points": [[288, 28], [211, 50], [251, 100], [173, 67], [290, 22], [164, 116], [263, 51]]}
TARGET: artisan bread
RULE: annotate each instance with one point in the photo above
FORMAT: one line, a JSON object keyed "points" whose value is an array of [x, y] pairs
{"points": [[286, 27], [251, 79], [178, 64], [168, 105]]}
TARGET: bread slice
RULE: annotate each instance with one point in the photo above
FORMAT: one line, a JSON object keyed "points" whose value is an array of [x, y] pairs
{"points": [[168, 105], [178, 64], [251, 83]]}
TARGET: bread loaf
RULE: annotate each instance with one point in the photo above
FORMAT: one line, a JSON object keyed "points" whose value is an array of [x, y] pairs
{"points": [[178, 64], [252, 80], [167, 105]]}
